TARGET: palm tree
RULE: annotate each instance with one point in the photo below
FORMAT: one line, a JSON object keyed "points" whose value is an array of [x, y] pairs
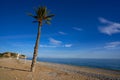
{"points": [[42, 16]]}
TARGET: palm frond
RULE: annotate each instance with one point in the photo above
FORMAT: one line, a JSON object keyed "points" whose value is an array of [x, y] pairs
{"points": [[30, 14], [52, 15], [41, 15], [48, 22], [48, 12], [49, 19]]}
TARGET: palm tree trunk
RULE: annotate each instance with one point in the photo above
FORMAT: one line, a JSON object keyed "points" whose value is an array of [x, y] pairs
{"points": [[36, 49]]}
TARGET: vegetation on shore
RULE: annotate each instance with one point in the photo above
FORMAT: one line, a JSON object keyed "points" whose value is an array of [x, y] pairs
{"points": [[11, 55]]}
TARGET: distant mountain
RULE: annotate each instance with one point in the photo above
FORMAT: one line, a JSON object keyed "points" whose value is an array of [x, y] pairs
{"points": [[12, 55]]}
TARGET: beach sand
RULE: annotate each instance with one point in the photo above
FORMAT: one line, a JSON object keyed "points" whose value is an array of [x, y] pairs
{"points": [[12, 69]]}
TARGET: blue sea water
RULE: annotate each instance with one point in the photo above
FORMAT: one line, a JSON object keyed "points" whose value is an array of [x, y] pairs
{"points": [[112, 64]]}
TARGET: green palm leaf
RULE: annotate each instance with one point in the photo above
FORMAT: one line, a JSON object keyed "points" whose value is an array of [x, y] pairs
{"points": [[48, 22], [42, 14]]}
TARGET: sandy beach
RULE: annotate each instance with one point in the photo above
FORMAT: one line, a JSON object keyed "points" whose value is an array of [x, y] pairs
{"points": [[12, 69]]}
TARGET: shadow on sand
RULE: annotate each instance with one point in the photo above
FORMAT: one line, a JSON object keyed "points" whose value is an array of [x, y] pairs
{"points": [[14, 69]]}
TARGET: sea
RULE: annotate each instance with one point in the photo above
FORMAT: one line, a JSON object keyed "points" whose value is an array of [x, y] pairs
{"points": [[110, 64]]}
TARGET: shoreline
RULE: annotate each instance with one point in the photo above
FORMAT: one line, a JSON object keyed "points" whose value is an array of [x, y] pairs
{"points": [[75, 66], [81, 66], [72, 64], [52, 71]]}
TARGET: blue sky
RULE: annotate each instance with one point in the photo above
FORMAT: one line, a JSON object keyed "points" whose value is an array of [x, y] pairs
{"points": [[80, 28]]}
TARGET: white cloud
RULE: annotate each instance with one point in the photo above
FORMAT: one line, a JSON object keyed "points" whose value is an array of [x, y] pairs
{"points": [[110, 28], [68, 45], [48, 46], [112, 44], [102, 20], [76, 28], [55, 46], [62, 33], [54, 41]]}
